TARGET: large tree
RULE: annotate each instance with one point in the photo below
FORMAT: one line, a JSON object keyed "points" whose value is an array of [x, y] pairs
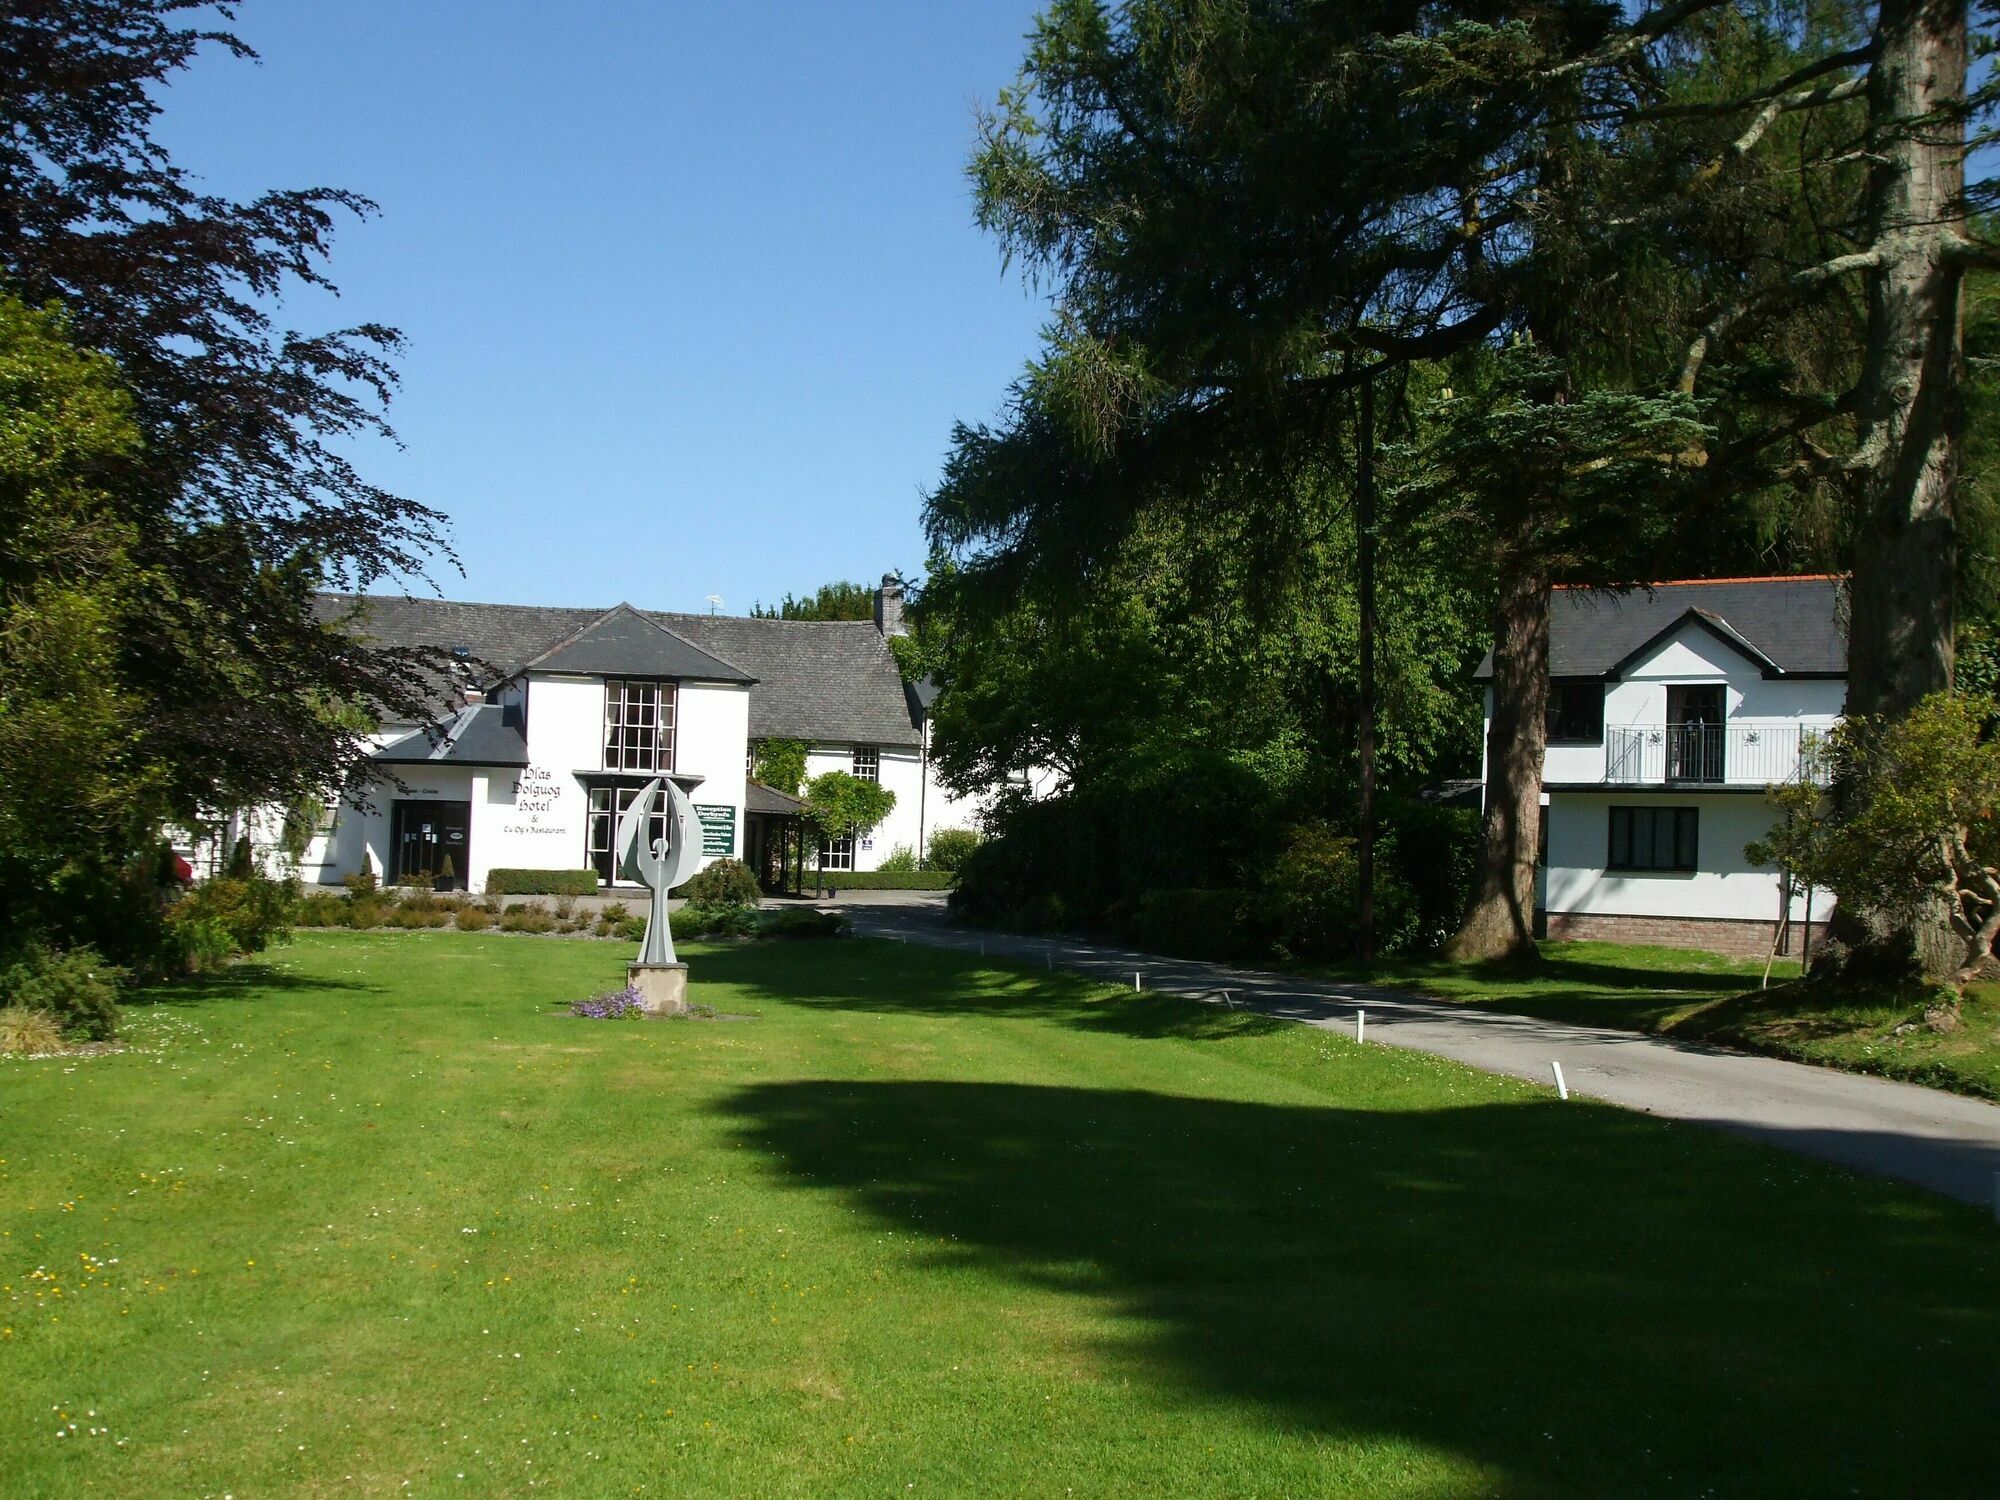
{"points": [[1247, 212], [240, 501]]}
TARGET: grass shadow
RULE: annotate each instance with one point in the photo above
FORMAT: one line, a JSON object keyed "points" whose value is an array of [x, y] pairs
{"points": [[888, 977], [1584, 1300]]}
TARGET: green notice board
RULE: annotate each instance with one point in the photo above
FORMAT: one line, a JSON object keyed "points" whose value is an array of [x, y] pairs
{"points": [[718, 829]]}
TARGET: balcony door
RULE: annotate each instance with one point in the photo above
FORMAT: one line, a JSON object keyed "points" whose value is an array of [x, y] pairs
{"points": [[1695, 714]]}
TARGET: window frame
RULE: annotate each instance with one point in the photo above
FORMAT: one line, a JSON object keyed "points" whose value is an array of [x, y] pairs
{"points": [[837, 854], [646, 744], [1570, 685], [865, 762], [1683, 837], [605, 802]]}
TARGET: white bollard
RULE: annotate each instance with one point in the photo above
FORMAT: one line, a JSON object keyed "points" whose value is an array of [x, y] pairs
{"points": [[1360, 1027], [1135, 980], [1562, 1089]]}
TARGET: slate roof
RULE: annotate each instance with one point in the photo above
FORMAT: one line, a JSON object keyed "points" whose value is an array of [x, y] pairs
{"points": [[624, 643], [481, 734], [758, 798], [831, 680], [1791, 627]]}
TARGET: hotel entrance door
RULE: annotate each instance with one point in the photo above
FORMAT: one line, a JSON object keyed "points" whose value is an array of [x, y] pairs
{"points": [[433, 841]]}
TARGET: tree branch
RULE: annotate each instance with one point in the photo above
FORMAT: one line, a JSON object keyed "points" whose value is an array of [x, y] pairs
{"points": [[1826, 270]]}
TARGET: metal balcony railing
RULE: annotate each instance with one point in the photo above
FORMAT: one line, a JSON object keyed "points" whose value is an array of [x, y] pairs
{"points": [[1701, 754]]}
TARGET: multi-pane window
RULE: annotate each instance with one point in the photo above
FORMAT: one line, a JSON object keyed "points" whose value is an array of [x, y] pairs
{"points": [[1576, 712], [1653, 838], [837, 854], [608, 802], [638, 725], [868, 762], [750, 760]]}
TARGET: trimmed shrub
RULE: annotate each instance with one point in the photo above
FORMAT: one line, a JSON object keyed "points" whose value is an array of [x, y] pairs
{"points": [[29, 1033], [363, 884], [948, 848], [473, 919], [887, 880], [727, 882], [1199, 923], [691, 921], [76, 986], [541, 883], [529, 916], [408, 916], [321, 909], [254, 911], [367, 911], [801, 922]]}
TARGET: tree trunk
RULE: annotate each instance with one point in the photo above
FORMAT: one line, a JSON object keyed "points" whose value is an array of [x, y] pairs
{"points": [[1500, 923], [1901, 608]]}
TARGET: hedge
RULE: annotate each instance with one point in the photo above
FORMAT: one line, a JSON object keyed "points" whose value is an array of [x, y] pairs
{"points": [[541, 883], [885, 880]]}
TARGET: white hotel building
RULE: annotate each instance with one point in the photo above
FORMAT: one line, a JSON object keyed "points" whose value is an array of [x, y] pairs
{"points": [[562, 714]]}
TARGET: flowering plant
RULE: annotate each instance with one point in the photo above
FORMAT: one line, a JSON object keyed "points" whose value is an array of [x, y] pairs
{"points": [[618, 1005]]}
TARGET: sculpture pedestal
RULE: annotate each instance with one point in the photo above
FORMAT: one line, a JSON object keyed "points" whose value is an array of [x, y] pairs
{"points": [[663, 988]]}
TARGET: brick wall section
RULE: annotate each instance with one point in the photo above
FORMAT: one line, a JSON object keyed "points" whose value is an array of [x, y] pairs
{"points": [[1736, 939]]}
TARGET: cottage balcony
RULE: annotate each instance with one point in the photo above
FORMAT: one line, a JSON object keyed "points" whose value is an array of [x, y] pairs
{"points": [[1702, 755]]}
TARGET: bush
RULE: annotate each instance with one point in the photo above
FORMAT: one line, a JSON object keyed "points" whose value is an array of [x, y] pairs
{"points": [[727, 882], [1433, 851], [363, 884], [1199, 923], [886, 880], [691, 921], [367, 911], [29, 1033], [801, 922], [202, 945], [321, 909], [565, 907], [901, 860], [529, 916], [253, 911], [410, 917], [473, 919], [541, 883], [77, 987], [1313, 892], [949, 847]]}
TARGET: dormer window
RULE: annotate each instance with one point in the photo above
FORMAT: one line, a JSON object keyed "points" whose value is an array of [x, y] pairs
{"points": [[1576, 711], [638, 725]]}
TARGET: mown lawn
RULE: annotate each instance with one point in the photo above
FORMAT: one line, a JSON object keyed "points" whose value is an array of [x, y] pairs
{"points": [[1701, 997], [377, 1218]]}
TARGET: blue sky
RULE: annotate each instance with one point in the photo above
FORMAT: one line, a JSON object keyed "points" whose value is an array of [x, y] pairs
{"points": [[692, 290]]}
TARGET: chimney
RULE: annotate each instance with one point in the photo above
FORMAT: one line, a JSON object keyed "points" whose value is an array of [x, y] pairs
{"points": [[889, 606]]}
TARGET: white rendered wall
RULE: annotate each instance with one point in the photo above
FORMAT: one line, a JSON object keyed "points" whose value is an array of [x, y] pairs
{"points": [[1725, 885], [712, 741]]}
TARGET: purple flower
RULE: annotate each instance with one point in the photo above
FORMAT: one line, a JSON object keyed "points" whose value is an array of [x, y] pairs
{"points": [[617, 1005]]}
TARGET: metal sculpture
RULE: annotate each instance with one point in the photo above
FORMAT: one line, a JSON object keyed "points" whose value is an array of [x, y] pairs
{"points": [[661, 864]]}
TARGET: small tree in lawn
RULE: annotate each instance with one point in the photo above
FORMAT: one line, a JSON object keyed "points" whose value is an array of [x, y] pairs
{"points": [[840, 805], [1800, 834]]}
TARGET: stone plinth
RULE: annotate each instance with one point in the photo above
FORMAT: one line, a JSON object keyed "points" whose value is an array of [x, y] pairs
{"points": [[663, 988]]}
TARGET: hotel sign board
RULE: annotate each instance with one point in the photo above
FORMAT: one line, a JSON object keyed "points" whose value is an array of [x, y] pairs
{"points": [[718, 829]]}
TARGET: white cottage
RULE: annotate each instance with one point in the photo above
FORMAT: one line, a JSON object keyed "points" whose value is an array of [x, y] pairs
{"points": [[561, 715], [1671, 710]]}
